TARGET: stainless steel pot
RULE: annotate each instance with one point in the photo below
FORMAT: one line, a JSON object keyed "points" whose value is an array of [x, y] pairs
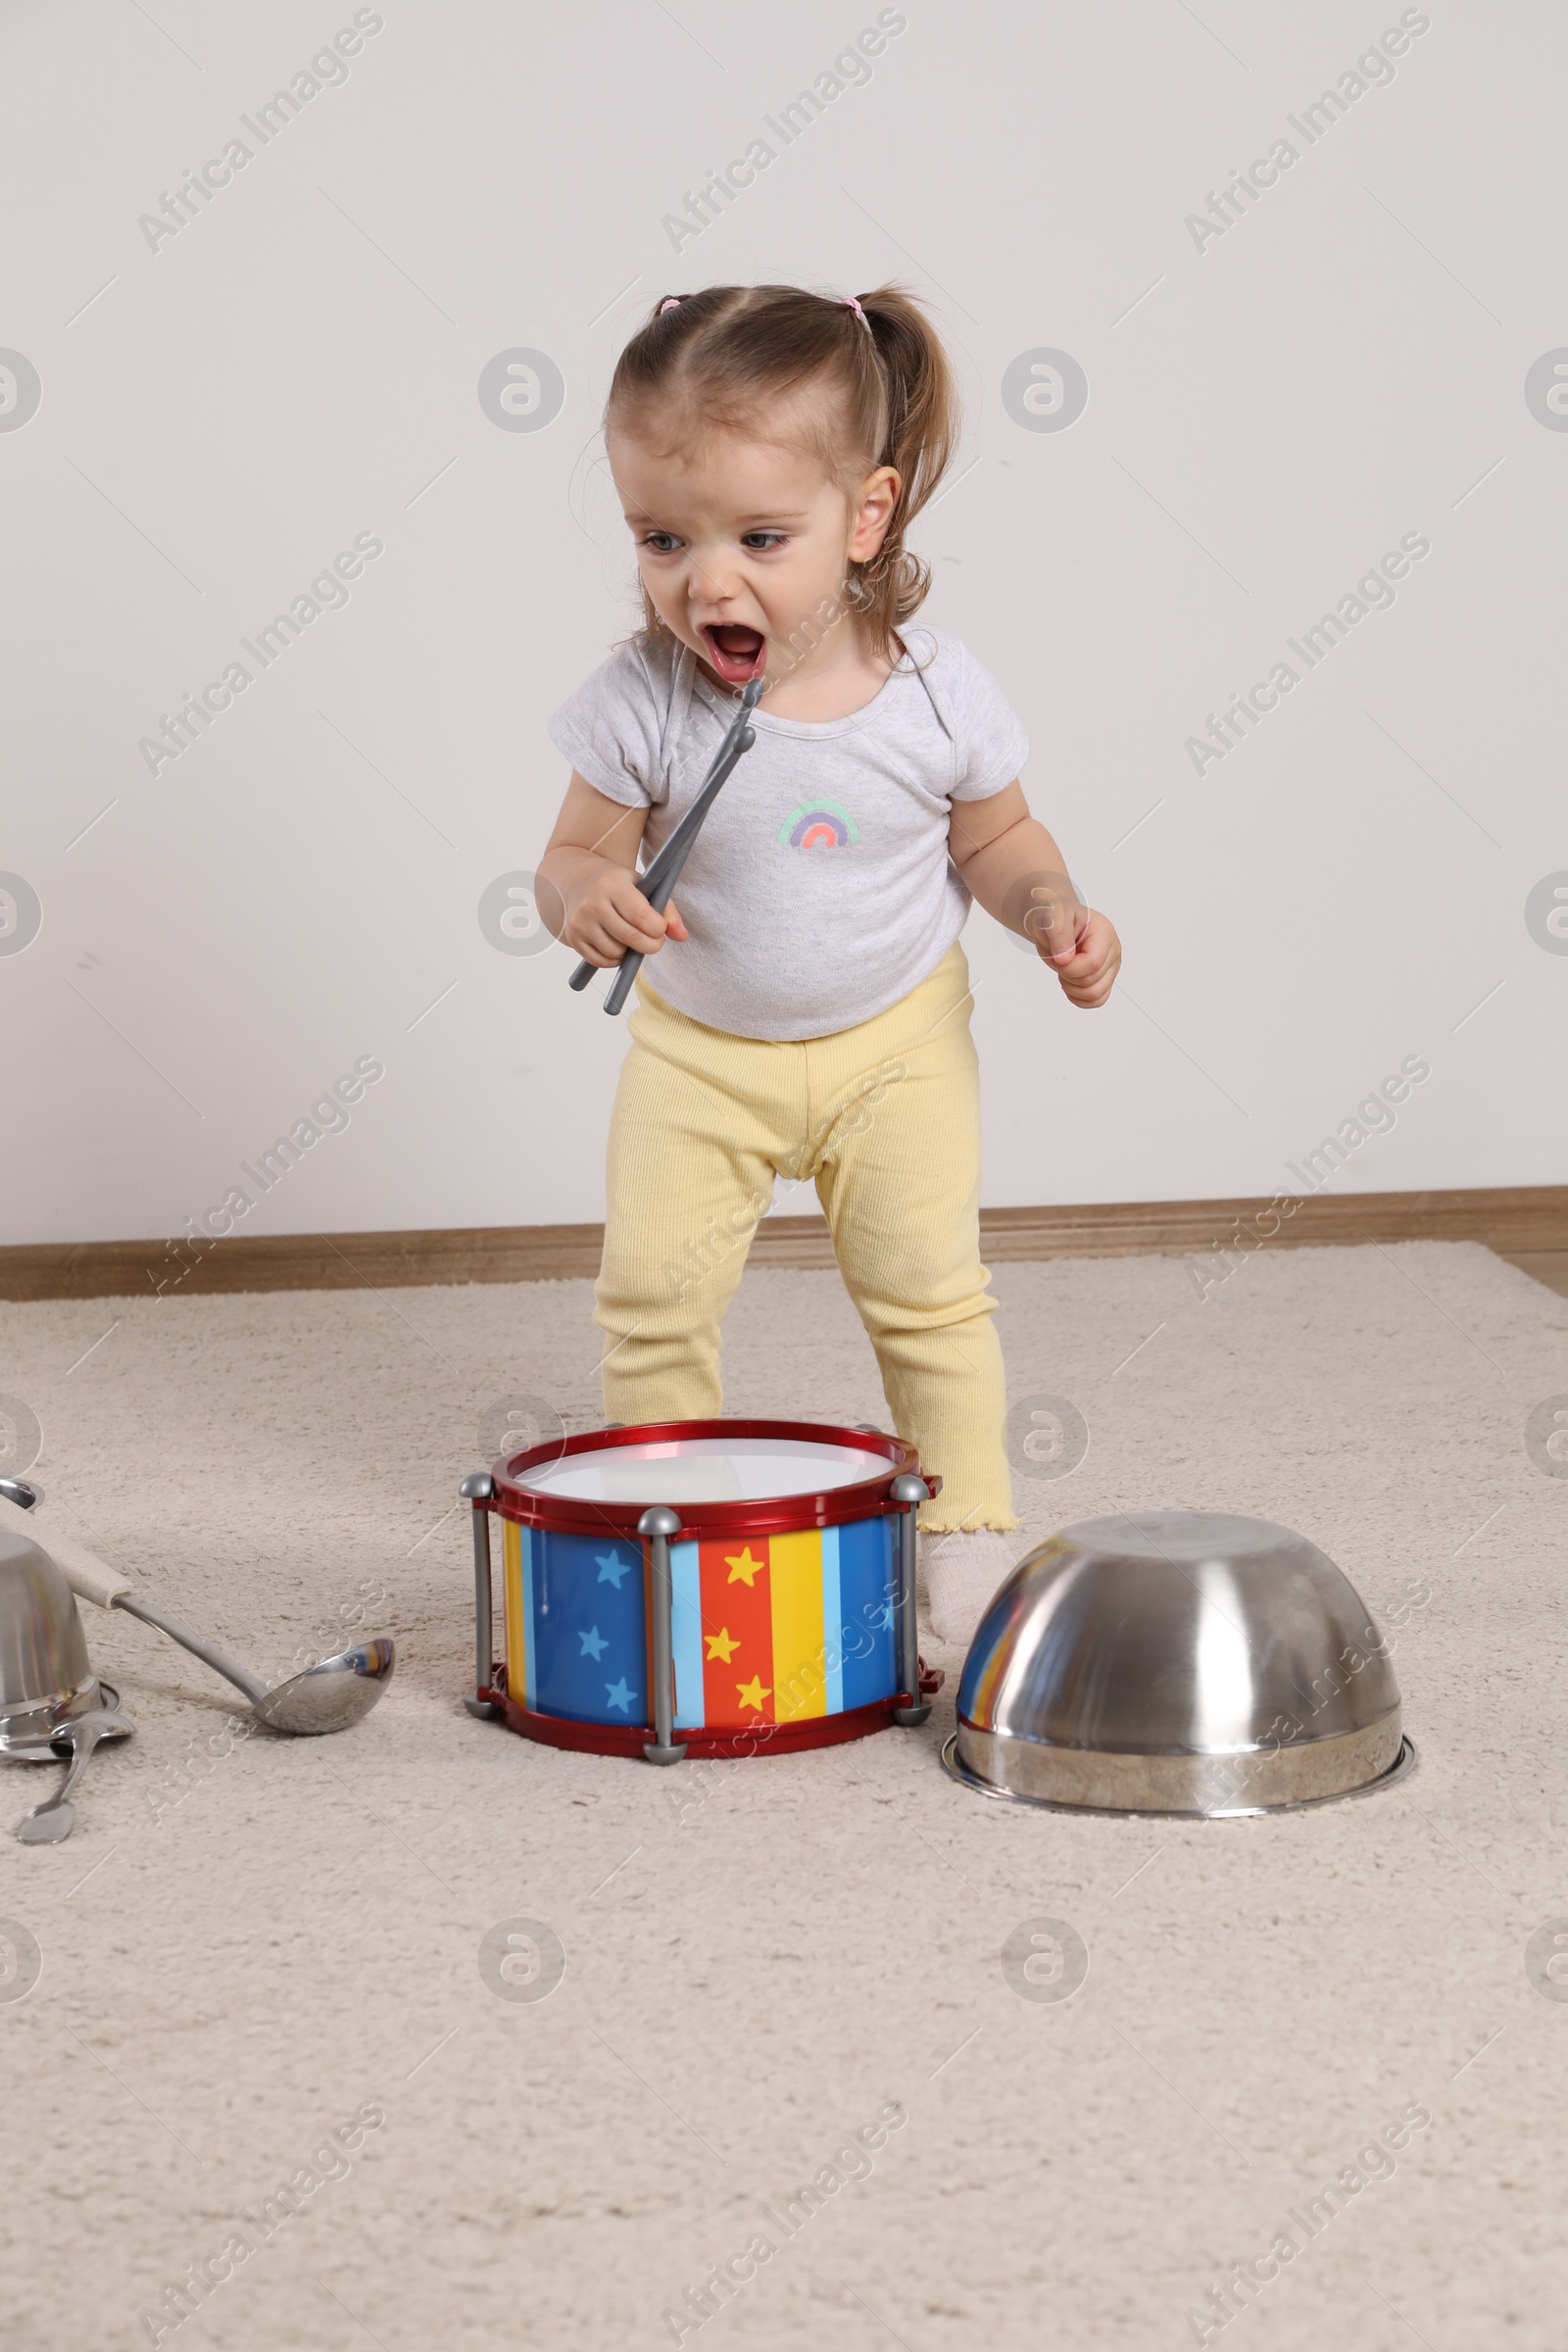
{"points": [[46, 1678], [1177, 1662]]}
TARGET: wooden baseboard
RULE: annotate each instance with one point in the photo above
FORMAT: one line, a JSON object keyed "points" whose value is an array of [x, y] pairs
{"points": [[1549, 1266], [1520, 1222]]}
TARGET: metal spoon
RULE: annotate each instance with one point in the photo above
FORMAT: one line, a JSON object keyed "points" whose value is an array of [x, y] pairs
{"points": [[47, 1823], [325, 1697]]}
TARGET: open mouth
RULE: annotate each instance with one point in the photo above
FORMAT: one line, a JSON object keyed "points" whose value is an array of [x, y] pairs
{"points": [[736, 653]]}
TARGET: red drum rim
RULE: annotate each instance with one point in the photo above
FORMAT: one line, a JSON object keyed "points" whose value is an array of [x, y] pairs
{"points": [[700, 1743], [766, 1515]]}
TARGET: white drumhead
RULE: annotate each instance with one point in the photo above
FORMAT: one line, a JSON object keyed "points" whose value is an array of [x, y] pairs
{"points": [[703, 1470]]}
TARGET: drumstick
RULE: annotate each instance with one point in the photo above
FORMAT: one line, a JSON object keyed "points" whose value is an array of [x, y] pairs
{"points": [[658, 894], [659, 879], [659, 876]]}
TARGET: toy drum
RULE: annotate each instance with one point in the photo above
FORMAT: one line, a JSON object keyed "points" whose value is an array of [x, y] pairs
{"points": [[702, 1588]]}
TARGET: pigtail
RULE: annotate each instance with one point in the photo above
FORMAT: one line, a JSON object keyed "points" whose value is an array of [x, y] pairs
{"points": [[921, 433]]}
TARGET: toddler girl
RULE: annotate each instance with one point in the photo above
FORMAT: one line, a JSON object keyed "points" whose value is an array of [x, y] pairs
{"points": [[811, 1011]]}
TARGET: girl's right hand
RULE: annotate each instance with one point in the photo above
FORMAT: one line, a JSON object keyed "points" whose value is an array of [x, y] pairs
{"points": [[608, 916]]}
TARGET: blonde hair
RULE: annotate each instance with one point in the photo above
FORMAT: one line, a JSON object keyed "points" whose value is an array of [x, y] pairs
{"points": [[728, 353]]}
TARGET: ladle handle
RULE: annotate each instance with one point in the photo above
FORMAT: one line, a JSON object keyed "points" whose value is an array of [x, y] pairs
{"points": [[197, 1643]]}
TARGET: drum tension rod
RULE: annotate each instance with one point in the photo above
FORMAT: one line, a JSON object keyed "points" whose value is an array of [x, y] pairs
{"points": [[910, 1491], [657, 1524], [477, 1489]]}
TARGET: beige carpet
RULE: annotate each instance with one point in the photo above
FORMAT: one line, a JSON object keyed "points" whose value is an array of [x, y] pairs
{"points": [[761, 1958]]}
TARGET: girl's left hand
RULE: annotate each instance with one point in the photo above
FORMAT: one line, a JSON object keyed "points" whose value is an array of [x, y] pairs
{"points": [[1084, 952]]}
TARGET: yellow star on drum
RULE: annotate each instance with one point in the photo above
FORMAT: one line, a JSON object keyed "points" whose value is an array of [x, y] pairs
{"points": [[753, 1694], [744, 1570], [721, 1644]]}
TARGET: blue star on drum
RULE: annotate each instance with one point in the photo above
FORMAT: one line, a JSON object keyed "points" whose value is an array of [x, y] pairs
{"points": [[585, 1657]]}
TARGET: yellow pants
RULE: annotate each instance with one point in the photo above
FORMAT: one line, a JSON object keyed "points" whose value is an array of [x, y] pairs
{"points": [[885, 1118]]}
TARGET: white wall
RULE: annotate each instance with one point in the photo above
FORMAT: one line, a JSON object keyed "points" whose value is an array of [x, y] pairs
{"points": [[1340, 368]]}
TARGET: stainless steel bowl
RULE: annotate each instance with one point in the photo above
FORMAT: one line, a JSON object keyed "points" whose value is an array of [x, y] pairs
{"points": [[45, 1674], [1177, 1662]]}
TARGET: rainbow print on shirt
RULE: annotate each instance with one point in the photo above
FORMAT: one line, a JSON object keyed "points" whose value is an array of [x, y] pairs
{"points": [[819, 826]]}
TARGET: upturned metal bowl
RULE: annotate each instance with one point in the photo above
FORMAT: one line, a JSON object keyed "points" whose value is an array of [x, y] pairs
{"points": [[1188, 1662], [45, 1674]]}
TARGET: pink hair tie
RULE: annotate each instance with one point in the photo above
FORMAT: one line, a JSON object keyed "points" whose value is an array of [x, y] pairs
{"points": [[671, 302], [859, 313]]}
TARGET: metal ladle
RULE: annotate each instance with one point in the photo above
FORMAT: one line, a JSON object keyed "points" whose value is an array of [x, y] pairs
{"points": [[329, 1697], [326, 1697]]}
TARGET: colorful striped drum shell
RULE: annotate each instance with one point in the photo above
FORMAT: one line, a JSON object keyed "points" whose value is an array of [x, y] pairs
{"points": [[784, 1605]]}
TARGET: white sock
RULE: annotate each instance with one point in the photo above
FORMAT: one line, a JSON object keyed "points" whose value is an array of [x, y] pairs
{"points": [[963, 1569]]}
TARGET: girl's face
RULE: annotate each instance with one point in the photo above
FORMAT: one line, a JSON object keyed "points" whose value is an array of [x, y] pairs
{"points": [[744, 548]]}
